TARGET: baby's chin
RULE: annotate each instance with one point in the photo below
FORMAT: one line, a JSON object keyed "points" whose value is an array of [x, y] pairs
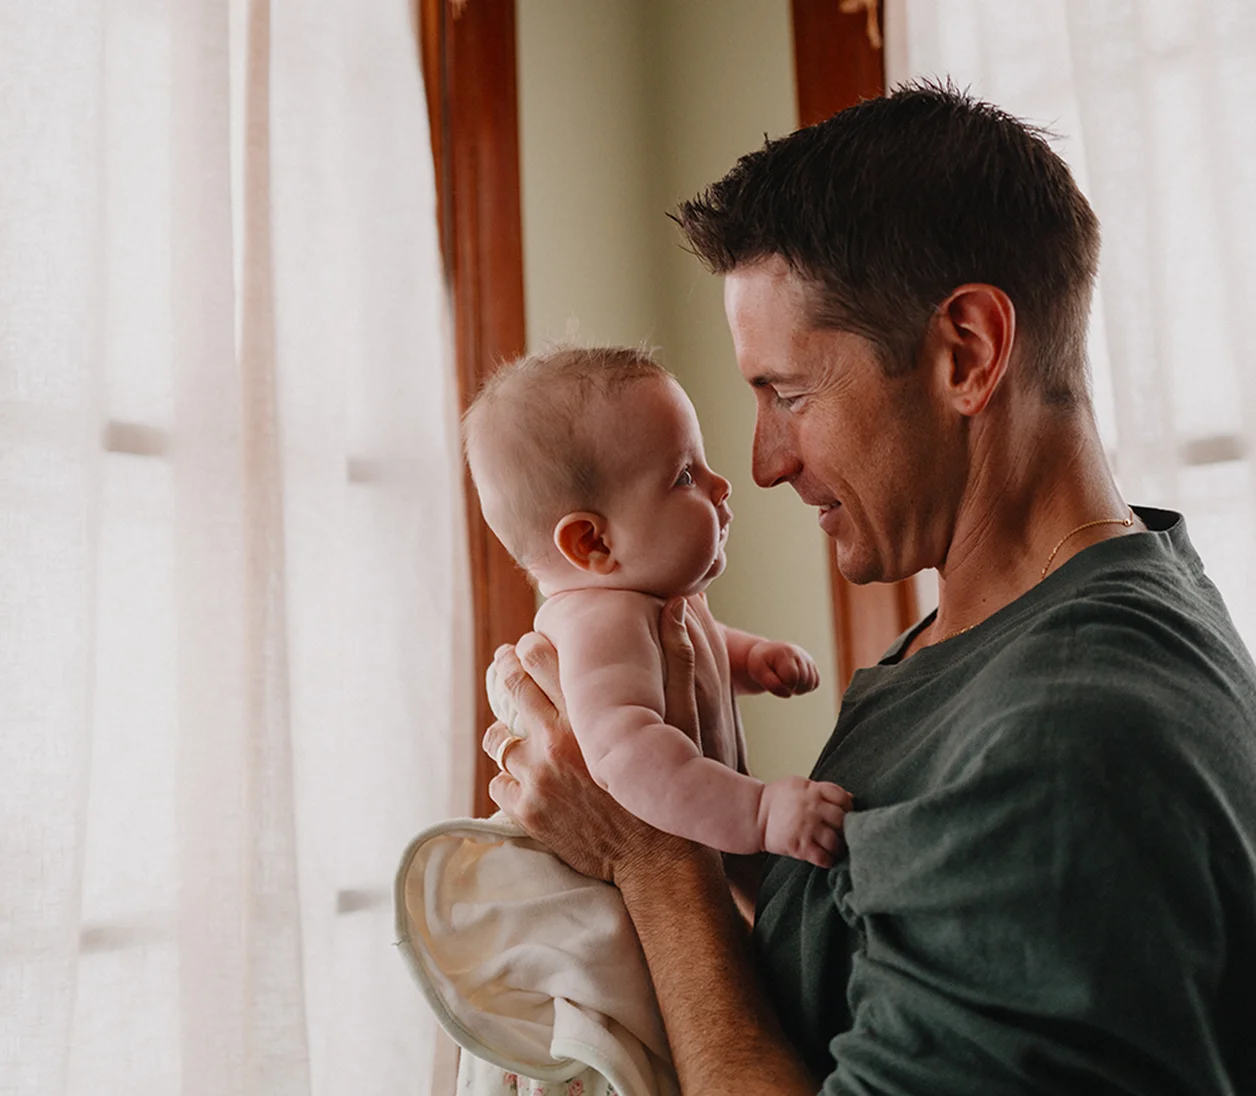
{"points": [[697, 586], [713, 572]]}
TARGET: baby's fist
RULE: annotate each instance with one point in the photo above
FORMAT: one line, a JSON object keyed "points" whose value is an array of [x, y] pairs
{"points": [[782, 669], [804, 819]]}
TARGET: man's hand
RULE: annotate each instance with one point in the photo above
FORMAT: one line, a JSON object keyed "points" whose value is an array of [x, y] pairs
{"points": [[546, 786], [781, 669]]}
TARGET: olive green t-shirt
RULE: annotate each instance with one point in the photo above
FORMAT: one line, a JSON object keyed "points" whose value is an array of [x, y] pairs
{"points": [[1050, 884]]}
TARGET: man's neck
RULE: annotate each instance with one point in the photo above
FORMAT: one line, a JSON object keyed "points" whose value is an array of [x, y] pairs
{"points": [[1027, 508]]}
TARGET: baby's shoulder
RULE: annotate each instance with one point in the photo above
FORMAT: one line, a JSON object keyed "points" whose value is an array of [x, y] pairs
{"points": [[577, 611]]}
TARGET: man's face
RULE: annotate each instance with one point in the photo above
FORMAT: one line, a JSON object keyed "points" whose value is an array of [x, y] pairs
{"points": [[869, 452]]}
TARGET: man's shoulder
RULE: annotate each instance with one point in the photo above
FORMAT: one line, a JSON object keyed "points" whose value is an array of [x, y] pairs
{"points": [[1120, 679], [1130, 639]]}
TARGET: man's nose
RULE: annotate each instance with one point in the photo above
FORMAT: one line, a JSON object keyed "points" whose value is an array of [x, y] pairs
{"points": [[772, 461]]}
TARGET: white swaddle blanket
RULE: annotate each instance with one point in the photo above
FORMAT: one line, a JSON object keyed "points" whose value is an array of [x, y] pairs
{"points": [[529, 966]]}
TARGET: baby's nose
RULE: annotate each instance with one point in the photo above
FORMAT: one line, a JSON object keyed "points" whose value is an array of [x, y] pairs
{"points": [[721, 490]]}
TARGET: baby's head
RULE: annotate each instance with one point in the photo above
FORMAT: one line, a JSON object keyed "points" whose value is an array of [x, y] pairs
{"points": [[590, 470]]}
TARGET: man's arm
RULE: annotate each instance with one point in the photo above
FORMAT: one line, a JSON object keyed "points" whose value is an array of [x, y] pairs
{"points": [[723, 1035]]}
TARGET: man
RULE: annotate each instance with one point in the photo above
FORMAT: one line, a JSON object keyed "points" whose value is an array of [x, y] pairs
{"points": [[1050, 884]]}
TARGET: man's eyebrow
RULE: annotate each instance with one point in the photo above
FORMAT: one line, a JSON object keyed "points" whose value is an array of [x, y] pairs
{"points": [[771, 380]]}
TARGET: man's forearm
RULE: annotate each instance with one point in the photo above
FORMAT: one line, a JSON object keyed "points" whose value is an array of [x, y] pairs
{"points": [[722, 1032]]}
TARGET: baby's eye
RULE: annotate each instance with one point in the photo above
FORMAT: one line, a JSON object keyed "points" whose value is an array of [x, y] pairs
{"points": [[685, 479]]}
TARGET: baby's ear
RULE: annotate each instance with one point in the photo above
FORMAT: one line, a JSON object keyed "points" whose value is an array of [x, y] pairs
{"points": [[582, 539]]}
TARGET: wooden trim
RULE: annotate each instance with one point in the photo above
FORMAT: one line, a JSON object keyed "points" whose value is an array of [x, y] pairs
{"points": [[836, 65], [867, 619], [471, 49]]}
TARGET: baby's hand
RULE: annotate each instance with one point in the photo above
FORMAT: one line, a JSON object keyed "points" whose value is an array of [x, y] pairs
{"points": [[781, 668], [803, 819]]}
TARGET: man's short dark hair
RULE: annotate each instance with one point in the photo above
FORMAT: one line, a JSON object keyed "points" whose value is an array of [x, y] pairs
{"points": [[888, 206]]}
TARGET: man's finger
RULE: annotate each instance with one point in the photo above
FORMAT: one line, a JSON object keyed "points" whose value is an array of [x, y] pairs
{"points": [[540, 659], [536, 710], [680, 694], [503, 790], [493, 738]]}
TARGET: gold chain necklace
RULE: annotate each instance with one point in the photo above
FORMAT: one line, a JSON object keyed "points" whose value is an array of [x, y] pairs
{"points": [[1126, 521]]}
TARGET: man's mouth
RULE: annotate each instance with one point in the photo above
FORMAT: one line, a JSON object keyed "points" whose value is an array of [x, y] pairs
{"points": [[822, 503], [825, 516]]}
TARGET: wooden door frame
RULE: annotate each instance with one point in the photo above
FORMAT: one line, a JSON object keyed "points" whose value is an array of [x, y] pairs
{"points": [[468, 52]]}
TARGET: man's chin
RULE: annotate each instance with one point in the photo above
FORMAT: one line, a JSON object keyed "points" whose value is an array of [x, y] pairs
{"points": [[857, 568]]}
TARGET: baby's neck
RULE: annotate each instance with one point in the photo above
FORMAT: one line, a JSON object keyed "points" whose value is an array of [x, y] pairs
{"points": [[551, 585], [555, 586]]}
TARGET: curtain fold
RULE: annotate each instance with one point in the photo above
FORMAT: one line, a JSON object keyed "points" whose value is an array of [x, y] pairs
{"points": [[233, 594], [1152, 103], [51, 294]]}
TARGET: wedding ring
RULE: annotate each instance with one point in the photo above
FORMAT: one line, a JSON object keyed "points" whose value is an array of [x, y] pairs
{"points": [[499, 757]]}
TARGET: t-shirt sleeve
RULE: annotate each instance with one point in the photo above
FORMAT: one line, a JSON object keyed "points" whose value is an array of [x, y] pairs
{"points": [[1044, 922]]}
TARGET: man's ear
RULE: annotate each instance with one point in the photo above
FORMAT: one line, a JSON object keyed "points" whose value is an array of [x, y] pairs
{"points": [[970, 342], [582, 538]]}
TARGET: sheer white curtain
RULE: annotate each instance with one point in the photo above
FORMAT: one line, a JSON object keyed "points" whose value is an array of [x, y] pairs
{"points": [[1154, 103], [233, 658]]}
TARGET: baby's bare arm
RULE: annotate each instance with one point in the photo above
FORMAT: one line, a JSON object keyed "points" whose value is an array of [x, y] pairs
{"points": [[739, 644], [610, 666], [611, 672], [765, 665]]}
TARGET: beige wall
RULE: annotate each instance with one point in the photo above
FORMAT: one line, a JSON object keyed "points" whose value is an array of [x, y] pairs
{"points": [[627, 106], [585, 138]]}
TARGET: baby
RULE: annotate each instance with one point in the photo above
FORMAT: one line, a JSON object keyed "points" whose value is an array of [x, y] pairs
{"points": [[590, 470]]}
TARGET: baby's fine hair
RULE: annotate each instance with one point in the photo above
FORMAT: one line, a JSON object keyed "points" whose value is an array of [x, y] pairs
{"points": [[526, 434]]}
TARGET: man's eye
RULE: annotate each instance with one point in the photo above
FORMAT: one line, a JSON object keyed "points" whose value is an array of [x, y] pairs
{"points": [[790, 403], [685, 479]]}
